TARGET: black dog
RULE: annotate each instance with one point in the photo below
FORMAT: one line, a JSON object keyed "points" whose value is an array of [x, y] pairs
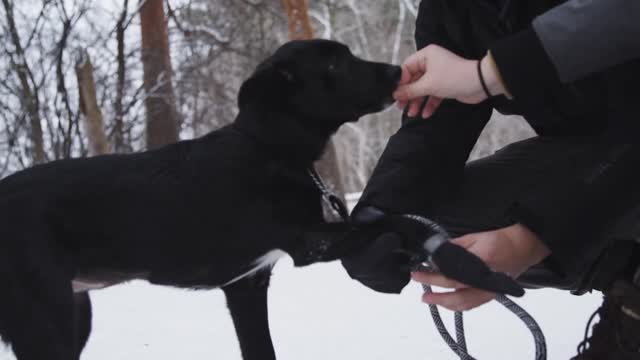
{"points": [[205, 213]]}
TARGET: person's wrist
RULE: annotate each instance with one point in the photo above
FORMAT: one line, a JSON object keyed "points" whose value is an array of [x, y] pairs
{"points": [[492, 77], [529, 244]]}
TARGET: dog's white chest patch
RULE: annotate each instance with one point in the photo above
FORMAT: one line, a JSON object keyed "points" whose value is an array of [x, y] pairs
{"points": [[80, 286], [267, 260], [101, 279]]}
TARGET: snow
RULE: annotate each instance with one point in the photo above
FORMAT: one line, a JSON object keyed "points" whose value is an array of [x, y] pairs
{"points": [[318, 312]]}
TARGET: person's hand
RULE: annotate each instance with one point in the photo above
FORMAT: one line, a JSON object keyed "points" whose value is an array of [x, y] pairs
{"points": [[512, 250], [440, 74]]}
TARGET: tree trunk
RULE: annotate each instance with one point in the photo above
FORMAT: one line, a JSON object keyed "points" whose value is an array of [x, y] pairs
{"points": [[89, 106], [298, 15], [29, 96], [118, 126], [300, 29], [162, 123]]}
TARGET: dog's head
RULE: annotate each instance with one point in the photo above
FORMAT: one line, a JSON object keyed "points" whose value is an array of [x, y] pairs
{"points": [[321, 83]]}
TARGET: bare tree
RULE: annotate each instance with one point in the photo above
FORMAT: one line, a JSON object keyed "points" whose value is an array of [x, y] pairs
{"points": [[30, 101]]}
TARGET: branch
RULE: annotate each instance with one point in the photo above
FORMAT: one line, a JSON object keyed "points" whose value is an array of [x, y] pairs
{"points": [[324, 21], [135, 13], [412, 9], [398, 38], [36, 23], [361, 33], [198, 29], [62, 88]]}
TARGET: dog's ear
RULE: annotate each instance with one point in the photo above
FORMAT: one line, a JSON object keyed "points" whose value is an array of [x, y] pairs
{"points": [[269, 83]]}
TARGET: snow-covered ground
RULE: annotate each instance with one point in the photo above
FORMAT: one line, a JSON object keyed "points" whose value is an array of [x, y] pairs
{"points": [[318, 312]]}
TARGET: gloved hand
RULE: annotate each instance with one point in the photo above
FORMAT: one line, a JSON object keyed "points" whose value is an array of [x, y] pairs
{"points": [[386, 247], [381, 262]]}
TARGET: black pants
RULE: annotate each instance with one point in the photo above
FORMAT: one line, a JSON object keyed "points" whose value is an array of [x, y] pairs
{"points": [[490, 184]]}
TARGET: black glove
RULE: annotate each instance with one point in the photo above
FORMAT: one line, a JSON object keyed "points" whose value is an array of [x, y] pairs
{"points": [[381, 266], [380, 262]]}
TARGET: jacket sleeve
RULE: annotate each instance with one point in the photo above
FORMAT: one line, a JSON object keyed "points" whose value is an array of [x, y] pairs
{"points": [[585, 36], [567, 43], [424, 161], [425, 158]]}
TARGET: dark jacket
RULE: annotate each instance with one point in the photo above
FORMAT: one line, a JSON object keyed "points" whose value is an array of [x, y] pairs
{"points": [[582, 37], [600, 104]]}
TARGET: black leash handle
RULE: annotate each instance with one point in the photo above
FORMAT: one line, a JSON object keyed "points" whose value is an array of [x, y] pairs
{"points": [[457, 263], [454, 261]]}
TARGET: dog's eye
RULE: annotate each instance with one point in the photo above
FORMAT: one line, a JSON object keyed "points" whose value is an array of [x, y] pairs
{"points": [[332, 67]]}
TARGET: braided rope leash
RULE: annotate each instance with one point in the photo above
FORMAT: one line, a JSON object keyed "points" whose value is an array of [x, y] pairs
{"points": [[459, 345]]}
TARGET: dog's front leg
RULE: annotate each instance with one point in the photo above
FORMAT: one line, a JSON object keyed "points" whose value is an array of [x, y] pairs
{"points": [[324, 242], [82, 319], [247, 301]]}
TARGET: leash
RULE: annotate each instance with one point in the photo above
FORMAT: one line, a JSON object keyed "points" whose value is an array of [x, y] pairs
{"points": [[329, 197], [427, 262], [459, 345]]}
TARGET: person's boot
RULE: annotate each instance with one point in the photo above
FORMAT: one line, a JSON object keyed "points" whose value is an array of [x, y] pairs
{"points": [[617, 335]]}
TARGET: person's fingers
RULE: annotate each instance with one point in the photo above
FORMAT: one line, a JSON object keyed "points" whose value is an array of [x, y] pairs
{"points": [[406, 77], [459, 300], [431, 107], [402, 105], [414, 64], [436, 279], [414, 90], [414, 106], [414, 73]]}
